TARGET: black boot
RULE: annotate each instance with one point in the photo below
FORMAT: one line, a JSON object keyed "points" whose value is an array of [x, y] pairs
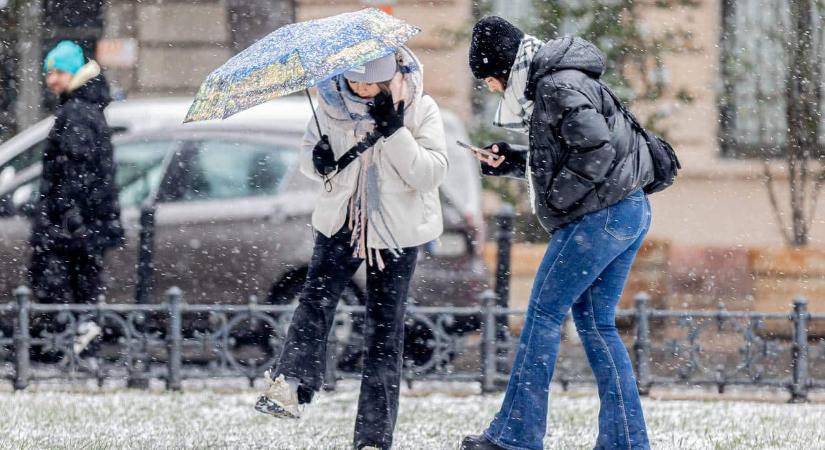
{"points": [[478, 443]]}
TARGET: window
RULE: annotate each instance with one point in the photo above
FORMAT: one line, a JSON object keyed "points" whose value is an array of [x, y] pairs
{"points": [[222, 169], [754, 69], [140, 169]]}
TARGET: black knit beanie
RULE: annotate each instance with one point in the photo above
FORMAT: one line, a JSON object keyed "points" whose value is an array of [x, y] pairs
{"points": [[493, 47]]}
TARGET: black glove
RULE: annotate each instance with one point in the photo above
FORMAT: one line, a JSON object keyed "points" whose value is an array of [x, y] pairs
{"points": [[515, 161], [322, 156], [387, 118], [504, 149]]}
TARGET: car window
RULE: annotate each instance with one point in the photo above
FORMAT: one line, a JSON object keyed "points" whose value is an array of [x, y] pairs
{"points": [[222, 169], [14, 202], [24, 159], [140, 168]]}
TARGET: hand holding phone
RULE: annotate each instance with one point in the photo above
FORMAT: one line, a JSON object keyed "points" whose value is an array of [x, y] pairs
{"points": [[481, 151], [484, 155]]}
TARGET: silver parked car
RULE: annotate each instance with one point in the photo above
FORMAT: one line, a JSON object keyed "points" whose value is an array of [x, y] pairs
{"points": [[232, 210]]}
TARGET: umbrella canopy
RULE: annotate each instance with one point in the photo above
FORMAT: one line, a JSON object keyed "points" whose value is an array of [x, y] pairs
{"points": [[297, 57]]}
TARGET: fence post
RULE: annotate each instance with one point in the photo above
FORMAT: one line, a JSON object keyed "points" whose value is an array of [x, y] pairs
{"points": [[100, 374], [642, 343], [488, 342], [138, 370], [21, 339], [146, 248], [799, 386], [174, 339], [504, 239]]}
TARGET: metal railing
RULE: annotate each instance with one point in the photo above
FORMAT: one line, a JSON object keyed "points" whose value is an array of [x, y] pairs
{"points": [[174, 341]]}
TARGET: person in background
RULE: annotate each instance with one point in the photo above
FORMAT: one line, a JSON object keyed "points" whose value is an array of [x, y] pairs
{"points": [[77, 214]]}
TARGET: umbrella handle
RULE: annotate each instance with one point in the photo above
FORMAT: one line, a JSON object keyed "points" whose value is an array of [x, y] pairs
{"points": [[314, 114]]}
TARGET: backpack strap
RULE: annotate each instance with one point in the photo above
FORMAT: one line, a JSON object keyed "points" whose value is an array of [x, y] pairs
{"points": [[620, 105]]}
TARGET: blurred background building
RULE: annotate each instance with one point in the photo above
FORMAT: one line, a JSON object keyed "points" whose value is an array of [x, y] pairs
{"points": [[166, 48]]}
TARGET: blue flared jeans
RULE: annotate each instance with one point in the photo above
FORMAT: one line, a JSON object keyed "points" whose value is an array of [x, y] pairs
{"points": [[584, 268]]}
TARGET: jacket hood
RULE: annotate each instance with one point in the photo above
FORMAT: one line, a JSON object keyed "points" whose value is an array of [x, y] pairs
{"points": [[565, 53], [89, 85]]}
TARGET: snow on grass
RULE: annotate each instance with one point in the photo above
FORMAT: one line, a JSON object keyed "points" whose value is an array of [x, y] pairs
{"points": [[223, 418]]}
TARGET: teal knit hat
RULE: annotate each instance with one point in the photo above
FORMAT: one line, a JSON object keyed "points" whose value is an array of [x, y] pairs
{"points": [[65, 57]]}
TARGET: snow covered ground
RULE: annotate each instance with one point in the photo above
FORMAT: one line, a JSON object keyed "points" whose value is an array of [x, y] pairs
{"points": [[221, 417]]}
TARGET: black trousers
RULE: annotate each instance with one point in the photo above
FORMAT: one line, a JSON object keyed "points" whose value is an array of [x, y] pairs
{"points": [[304, 354], [66, 276]]}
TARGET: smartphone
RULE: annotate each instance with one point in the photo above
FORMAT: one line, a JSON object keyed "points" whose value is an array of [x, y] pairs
{"points": [[483, 151]]}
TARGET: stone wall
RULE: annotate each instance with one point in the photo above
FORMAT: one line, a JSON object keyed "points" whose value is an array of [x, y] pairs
{"points": [[764, 279]]}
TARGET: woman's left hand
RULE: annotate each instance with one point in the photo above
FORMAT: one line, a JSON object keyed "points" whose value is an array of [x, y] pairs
{"points": [[501, 149], [388, 118]]}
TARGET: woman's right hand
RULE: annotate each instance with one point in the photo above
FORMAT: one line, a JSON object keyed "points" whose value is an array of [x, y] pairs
{"points": [[499, 148], [322, 157]]}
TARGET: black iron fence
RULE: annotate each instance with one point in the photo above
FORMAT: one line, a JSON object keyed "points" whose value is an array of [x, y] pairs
{"points": [[174, 341]]}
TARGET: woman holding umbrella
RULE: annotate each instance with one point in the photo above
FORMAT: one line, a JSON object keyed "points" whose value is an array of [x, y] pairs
{"points": [[377, 209]]}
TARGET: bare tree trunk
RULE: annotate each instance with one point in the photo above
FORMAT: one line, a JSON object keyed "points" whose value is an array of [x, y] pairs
{"points": [[802, 114]]}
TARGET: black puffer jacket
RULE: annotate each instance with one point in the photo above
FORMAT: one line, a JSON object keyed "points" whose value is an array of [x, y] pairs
{"points": [[584, 153], [78, 209]]}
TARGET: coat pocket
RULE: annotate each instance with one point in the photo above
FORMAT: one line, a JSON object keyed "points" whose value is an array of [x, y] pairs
{"points": [[567, 189]]}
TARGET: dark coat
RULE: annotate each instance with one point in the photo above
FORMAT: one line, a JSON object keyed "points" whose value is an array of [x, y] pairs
{"points": [[585, 154], [78, 209]]}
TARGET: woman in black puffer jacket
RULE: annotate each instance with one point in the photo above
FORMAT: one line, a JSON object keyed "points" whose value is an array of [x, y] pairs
{"points": [[586, 166]]}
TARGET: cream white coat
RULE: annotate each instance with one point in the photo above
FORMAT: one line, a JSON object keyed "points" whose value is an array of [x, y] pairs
{"points": [[412, 163]]}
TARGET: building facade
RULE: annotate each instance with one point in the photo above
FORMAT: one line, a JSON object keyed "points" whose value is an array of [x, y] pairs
{"points": [[167, 47]]}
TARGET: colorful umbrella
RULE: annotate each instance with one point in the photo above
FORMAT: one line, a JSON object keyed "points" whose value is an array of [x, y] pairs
{"points": [[296, 57]]}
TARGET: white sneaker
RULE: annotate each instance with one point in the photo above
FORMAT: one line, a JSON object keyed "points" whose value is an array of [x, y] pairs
{"points": [[280, 399], [87, 332], [369, 448]]}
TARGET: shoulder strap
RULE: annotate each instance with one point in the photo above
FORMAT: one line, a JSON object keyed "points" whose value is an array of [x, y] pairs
{"points": [[351, 155], [355, 151], [620, 105]]}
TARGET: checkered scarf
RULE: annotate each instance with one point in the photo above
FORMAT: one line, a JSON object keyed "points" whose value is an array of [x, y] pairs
{"points": [[514, 110]]}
